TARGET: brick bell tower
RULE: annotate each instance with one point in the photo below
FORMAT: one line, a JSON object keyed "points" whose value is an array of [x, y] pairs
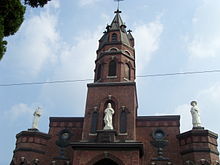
{"points": [[113, 83]]}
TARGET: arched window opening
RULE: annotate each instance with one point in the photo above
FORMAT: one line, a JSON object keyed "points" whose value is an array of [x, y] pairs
{"points": [[112, 68], [99, 71], [114, 37], [127, 72], [123, 122], [94, 122]]}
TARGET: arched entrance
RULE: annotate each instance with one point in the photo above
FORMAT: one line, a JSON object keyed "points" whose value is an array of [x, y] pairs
{"points": [[106, 162]]}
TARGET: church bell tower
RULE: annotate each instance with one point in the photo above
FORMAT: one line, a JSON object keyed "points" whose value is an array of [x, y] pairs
{"points": [[114, 83]]}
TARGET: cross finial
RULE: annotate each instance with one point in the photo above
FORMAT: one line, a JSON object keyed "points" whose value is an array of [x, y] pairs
{"points": [[118, 3]]}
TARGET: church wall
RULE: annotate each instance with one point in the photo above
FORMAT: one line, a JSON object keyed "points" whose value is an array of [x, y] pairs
{"points": [[57, 124], [146, 126]]}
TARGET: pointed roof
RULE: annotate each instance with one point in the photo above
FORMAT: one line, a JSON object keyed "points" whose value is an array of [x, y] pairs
{"points": [[116, 25], [117, 21]]}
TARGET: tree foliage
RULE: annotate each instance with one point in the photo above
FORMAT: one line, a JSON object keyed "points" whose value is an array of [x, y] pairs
{"points": [[36, 3], [2, 42], [11, 17]]}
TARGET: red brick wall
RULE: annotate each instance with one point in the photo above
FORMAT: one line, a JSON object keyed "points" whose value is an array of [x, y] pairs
{"points": [[97, 96], [145, 128], [198, 144], [120, 157]]}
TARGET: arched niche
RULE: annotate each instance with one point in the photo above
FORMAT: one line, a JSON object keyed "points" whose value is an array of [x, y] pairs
{"points": [[103, 105]]}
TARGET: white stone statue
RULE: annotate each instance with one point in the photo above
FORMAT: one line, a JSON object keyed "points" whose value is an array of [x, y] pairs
{"points": [[109, 111], [37, 114], [196, 121]]}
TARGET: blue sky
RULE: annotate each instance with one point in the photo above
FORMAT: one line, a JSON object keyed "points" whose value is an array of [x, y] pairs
{"points": [[59, 42]]}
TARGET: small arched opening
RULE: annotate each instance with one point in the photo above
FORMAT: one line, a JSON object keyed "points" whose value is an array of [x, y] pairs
{"points": [[114, 37], [123, 122], [94, 122]]}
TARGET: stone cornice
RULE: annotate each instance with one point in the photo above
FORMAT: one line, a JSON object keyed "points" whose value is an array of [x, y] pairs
{"points": [[34, 134], [100, 84], [197, 133], [127, 146]]}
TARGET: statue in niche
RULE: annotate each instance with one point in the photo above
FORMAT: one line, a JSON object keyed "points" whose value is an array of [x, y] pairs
{"points": [[109, 112], [196, 121], [37, 114]]}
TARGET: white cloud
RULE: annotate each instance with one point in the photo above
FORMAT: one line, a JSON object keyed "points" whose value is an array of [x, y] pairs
{"points": [[185, 117], [37, 44], [75, 62], [213, 93], [54, 4], [205, 41], [208, 101], [87, 2], [19, 111], [147, 37]]}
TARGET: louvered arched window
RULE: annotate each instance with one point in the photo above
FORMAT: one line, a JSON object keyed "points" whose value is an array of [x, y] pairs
{"points": [[112, 68], [114, 37]]}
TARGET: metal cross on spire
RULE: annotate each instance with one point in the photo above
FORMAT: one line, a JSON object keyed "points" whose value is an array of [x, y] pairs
{"points": [[118, 3]]}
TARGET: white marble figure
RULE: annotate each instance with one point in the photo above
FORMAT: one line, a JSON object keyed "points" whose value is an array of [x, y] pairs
{"points": [[37, 114], [109, 111], [196, 121]]}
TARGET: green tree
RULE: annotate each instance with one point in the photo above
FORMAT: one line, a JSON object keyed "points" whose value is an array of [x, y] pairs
{"points": [[36, 3], [11, 18]]}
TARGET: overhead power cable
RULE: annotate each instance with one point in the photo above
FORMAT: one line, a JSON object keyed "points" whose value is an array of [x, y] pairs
{"points": [[44, 82], [180, 73], [82, 80]]}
